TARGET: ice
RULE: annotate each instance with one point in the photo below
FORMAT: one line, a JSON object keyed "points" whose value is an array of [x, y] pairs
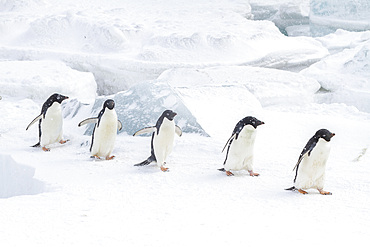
{"points": [[38, 80], [287, 15], [138, 46], [213, 63], [268, 86], [17, 179], [344, 77], [143, 104], [194, 94], [342, 39], [327, 16]]}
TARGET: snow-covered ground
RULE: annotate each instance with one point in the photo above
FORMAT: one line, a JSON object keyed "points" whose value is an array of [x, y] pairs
{"points": [[214, 64]]}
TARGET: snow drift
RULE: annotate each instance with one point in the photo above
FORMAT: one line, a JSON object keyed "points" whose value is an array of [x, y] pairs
{"points": [[139, 46], [38, 80], [17, 179], [344, 77]]}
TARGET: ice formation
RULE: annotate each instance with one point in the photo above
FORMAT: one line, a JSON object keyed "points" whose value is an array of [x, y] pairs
{"points": [[329, 15], [38, 80], [344, 77], [142, 105], [17, 179]]}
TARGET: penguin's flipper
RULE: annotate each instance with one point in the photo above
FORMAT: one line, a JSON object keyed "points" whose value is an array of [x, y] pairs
{"points": [[34, 121], [146, 130], [119, 125], [88, 120], [299, 160], [178, 130], [228, 141]]}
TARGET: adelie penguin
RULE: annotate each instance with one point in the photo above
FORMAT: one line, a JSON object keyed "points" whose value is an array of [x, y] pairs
{"points": [[240, 146], [162, 139], [105, 131], [310, 168], [50, 122]]}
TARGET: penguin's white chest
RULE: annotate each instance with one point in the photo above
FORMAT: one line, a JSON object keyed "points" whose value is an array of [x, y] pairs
{"points": [[105, 134], [52, 125], [163, 142], [240, 154], [311, 171]]}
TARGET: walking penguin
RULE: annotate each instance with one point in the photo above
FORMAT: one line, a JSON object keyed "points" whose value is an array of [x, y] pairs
{"points": [[50, 122], [105, 131], [162, 139], [240, 146], [310, 168]]}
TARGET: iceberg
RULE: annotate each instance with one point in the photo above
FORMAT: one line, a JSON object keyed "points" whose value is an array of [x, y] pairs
{"points": [[141, 106], [208, 100], [330, 15], [344, 77]]}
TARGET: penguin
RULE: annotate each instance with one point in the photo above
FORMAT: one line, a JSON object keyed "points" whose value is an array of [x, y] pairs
{"points": [[310, 168], [239, 155], [105, 131], [162, 139], [50, 122]]}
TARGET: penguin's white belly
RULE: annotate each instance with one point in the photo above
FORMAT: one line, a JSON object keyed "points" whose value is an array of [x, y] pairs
{"points": [[163, 142], [52, 125], [240, 156], [311, 171], [105, 134]]}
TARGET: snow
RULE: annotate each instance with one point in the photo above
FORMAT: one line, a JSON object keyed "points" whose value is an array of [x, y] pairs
{"points": [[122, 47], [38, 80], [213, 64], [345, 76]]}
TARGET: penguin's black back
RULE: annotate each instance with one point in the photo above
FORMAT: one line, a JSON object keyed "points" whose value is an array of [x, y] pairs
{"points": [[245, 121]]}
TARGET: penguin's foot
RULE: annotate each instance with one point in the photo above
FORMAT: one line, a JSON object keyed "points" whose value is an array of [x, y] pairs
{"points": [[45, 149], [302, 192], [164, 169], [63, 141], [322, 192], [95, 157], [229, 173], [110, 158], [253, 174]]}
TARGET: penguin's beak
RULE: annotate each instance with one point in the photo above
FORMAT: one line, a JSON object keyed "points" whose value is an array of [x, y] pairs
{"points": [[332, 134]]}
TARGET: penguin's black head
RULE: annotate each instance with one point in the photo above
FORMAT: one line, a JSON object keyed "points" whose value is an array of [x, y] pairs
{"points": [[109, 103], [252, 121], [57, 98], [170, 115], [325, 134]]}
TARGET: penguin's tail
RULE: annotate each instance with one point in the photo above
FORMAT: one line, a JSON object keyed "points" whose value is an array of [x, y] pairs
{"points": [[222, 169], [146, 162], [291, 188], [36, 145]]}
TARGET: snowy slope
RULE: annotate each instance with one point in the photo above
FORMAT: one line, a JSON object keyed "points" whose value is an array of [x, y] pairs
{"points": [[124, 42], [202, 51]]}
